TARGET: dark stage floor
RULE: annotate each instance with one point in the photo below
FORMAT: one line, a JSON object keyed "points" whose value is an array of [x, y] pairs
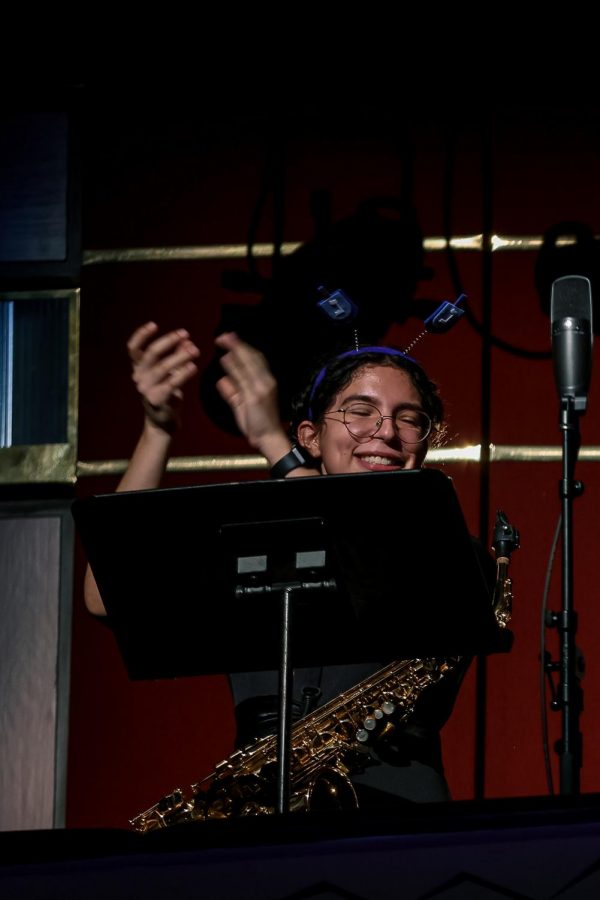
{"points": [[525, 848]]}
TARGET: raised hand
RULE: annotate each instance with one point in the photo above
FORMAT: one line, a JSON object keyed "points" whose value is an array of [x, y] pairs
{"points": [[250, 389], [161, 367]]}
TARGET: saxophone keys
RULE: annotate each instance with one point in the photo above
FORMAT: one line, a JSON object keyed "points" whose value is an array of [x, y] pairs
{"points": [[388, 707]]}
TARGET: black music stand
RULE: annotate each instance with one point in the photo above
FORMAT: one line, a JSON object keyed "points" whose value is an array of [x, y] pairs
{"points": [[200, 580]]}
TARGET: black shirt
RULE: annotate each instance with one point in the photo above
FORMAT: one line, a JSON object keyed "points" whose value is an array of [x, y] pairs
{"points": [[409, 766]]}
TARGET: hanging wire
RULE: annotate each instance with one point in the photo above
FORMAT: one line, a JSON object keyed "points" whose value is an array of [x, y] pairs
{"points": [[528, 354], [544, 675], [272, 184], [447, 207]]}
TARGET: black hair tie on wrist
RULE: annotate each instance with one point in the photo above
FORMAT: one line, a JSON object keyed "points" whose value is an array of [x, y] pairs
{"points": [[295, 459]]}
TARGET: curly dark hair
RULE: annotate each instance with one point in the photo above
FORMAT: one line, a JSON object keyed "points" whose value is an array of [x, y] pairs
{"points": [[337, 373]]}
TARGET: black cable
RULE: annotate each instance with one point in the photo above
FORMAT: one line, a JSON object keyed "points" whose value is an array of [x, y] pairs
{"points": [[273, 182], [543, 673], [263, 193], [498, 342], [447, 205], [484, 469], [278, 163]]}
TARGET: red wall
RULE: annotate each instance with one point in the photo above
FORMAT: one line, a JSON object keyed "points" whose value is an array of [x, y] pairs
{"points": [[178, 178]]}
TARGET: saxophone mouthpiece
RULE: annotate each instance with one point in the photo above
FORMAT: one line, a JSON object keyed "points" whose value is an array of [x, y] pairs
{"points": [[506, 536]]}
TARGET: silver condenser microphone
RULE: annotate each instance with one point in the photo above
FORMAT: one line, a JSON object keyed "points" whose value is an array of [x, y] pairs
{"points": [[572, 337]]}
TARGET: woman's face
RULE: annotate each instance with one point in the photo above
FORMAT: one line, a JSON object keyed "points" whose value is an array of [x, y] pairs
{"points": [[387, 388]]}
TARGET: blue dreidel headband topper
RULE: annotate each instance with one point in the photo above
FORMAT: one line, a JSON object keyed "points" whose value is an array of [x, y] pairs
{"points": [[338, 306]]}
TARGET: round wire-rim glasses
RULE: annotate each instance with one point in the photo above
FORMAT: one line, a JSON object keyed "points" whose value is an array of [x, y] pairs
{"points": [[363, 421]]}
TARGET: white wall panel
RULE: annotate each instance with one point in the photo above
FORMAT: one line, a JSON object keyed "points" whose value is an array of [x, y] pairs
{"points": [[31, 571]]}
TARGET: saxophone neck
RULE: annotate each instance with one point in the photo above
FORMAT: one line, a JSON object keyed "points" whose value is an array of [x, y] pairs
{"points": [[506, 540]]}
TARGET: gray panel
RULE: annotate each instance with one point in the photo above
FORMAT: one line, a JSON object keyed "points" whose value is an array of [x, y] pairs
{"points": [[30, 568]]}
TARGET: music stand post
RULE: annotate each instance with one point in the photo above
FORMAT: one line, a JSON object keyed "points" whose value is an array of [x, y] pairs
{"points": [[286, 591]]}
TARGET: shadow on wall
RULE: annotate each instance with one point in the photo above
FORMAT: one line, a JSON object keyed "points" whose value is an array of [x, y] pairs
{"points": [[375, 257]]}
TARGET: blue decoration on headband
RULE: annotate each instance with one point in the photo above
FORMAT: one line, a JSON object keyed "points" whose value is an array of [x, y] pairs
{"points": [[357, 351], [337, 305], [445, 316], [441, 319]]}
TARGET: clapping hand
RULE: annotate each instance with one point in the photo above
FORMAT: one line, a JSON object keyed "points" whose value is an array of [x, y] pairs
{"points": [[161, 367], [250, 389]]}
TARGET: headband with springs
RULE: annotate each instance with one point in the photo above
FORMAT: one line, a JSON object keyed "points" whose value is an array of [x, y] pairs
{"points": [[338, 305], [358, 351]]}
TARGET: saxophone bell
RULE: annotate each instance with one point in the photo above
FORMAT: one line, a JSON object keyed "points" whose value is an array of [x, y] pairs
{"points": [[331, 789]]}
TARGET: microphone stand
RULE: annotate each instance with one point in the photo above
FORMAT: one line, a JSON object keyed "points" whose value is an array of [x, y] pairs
{"points": [[568, 697]]}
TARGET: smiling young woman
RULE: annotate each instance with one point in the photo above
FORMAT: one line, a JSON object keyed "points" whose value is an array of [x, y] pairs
{"points": [[371, 409]]}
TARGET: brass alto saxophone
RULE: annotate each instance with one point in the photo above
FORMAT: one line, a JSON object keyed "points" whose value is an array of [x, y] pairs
{"points": [[329, 745]]}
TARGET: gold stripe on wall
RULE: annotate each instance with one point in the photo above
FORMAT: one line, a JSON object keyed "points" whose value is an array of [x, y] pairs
{"points": [[249, 462], [240, 251]]}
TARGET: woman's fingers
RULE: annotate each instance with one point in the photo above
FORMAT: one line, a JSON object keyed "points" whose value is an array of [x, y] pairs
{"points": [[244, 365], [162, 365], [228, 390], [160, 357], [182, 373], [150, 354], [138, 340]]}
